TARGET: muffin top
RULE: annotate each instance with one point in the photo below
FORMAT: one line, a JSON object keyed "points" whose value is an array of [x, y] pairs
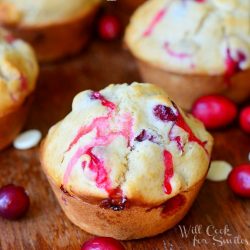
{"points": [[192, 37], [18, 71], [129, 140], [42, 12]]}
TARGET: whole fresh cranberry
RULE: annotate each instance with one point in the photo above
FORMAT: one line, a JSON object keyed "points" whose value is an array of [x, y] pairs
{"points": [[239, 180], [102, 243], [14, 202], [245, 119], [109, 27], [214, 111]]}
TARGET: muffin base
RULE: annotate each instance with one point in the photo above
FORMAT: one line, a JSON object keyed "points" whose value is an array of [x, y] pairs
{"points": [[185, 89], [134, 222], [12, 122], [57, 40]]}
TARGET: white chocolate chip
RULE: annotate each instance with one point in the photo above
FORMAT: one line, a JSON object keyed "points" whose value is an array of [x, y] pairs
{"points": [[219, 171], [28, 139]]}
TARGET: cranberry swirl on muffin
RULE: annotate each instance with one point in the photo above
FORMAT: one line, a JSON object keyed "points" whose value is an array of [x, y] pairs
{"points": [[125, 146]]}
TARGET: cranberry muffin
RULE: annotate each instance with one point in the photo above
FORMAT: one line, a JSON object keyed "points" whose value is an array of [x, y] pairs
{"points": [[126, 162], [19, 70], [193, 48], [54, 28]]}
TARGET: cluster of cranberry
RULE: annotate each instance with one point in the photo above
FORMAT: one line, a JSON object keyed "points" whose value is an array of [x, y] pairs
{"points": [[215, 112]]}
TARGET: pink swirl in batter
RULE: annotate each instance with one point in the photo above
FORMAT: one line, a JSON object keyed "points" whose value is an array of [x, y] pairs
{"points": [[169, 171], [104, 101], [197, 1], [175, 54], [106, 133], [97, 166], [200, 1], [158, 17]]}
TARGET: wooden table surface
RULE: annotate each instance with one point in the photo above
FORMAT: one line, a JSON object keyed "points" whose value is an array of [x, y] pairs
{"points": [[46, 227]]}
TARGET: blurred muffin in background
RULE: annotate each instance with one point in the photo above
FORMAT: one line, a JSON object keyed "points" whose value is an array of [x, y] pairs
{"points": [[54, 28], [193, 48], [19, 70]]}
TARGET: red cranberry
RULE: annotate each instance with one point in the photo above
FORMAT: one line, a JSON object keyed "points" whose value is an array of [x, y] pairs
{"points": [[167, 114], [102, 243], [245, 119], [232, 65], [164, 113], [14, 202], [214, 111], [109, 27], [116, 201], [144, 135], [239, 180]]}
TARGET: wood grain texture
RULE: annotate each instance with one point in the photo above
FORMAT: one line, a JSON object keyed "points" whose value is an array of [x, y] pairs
{"points": [[46, 227]]}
